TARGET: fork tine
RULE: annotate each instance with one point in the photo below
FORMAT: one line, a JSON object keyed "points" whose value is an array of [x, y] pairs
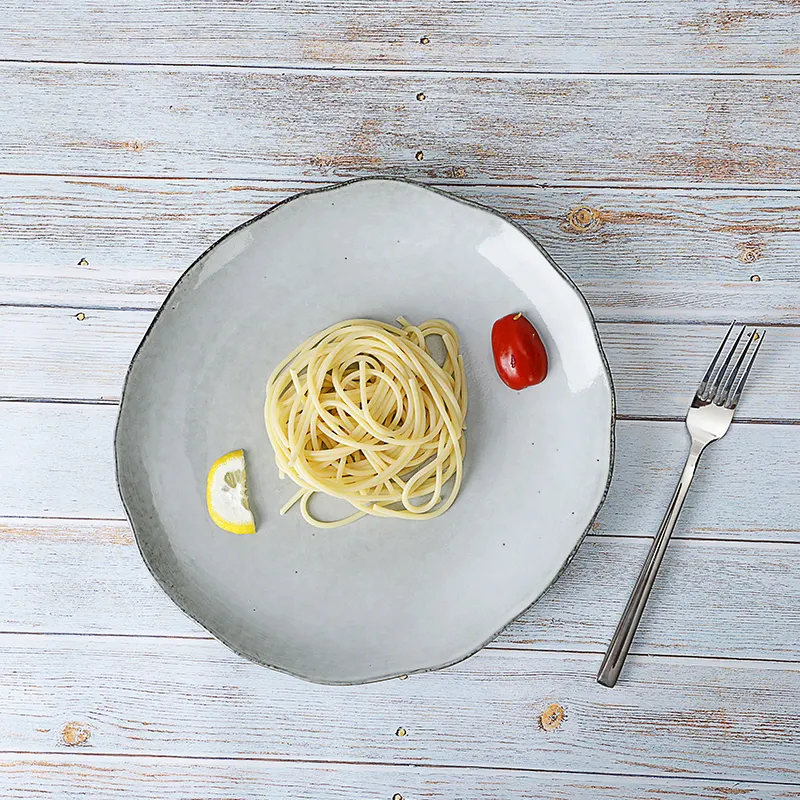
{"points": [[732, 401], [717, 382], [724, 390], [707, 377]]}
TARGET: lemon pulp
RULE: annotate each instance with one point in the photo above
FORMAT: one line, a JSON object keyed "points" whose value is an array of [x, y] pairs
{"points": [[226, 494]]}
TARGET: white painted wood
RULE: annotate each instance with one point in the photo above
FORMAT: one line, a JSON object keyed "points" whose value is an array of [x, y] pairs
{"points": [[78, 775], [499, 34], [736, 720], [67, 354], [746, 486], [52, 353], [58, 460], [244, 123], [656, 370], [636, 254], [81, 576], [711, 599]]}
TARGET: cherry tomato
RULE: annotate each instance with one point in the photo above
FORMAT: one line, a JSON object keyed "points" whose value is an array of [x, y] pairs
{"points": [[519, 354]]}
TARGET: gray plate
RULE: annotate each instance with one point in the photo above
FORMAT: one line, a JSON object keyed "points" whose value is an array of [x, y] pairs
{"points": [[378, 598]]}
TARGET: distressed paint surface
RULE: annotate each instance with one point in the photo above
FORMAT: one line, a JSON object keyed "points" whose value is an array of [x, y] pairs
{"points": [[534, 35], [667, 255], [663, 130], [736, 720], [76, 775], [81, 576], [650, 147]]}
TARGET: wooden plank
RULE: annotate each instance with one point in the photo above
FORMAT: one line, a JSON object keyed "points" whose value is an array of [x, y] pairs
{"points": [[636, 254], [55, 353], [498, 34], [656, 370], [78, 774], [67, 354], [244, 123], [739, 491], [736, 720], [57, 461], [80, 576], [715, 599]]}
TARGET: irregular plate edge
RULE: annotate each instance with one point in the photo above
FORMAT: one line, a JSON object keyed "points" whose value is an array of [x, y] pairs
{"points": [[176, 287]]}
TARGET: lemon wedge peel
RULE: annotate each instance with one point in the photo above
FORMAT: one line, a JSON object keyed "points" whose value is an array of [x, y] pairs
{"points": [[227, 479]]}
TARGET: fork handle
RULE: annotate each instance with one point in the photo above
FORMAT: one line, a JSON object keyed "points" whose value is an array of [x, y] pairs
{"points": [[623, 635]]}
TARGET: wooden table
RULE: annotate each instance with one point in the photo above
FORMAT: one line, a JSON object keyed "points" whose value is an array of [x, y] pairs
{"points": [[653, 148]]}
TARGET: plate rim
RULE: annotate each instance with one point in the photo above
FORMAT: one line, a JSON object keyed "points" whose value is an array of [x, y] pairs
{"points": [[163, 585]]}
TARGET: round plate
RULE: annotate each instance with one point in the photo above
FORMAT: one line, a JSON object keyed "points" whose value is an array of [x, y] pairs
{"points": [[380, 597]]}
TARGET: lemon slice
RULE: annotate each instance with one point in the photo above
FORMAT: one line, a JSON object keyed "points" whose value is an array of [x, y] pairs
{"points": [[226, 494]]}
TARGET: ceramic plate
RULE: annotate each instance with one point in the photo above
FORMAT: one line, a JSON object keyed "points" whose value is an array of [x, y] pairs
{"points": [[380, 597]]}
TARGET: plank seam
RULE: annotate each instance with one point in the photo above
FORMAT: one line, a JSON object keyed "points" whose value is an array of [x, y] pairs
{"points": [[722, 660], [390, 764], [405, 70], [443, 182]]}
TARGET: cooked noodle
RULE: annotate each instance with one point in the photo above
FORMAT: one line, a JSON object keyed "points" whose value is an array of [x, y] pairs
{"points": [[362, 411]]}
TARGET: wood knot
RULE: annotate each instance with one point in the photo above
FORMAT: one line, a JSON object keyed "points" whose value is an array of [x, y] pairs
{"points": [[583, 219], [401, 732], [80, 316], [749, 252], [424, 40], [552, 717], [136, 146], [75, 733], [83, 263], [420, 155]]}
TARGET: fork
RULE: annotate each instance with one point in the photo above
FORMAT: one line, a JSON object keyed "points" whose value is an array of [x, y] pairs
{"points": [[708, 419]]}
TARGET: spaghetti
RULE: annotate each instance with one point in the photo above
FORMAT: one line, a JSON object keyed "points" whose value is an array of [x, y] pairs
{"points": [[362, 411]]}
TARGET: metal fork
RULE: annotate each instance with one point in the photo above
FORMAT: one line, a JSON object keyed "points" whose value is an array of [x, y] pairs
{"points": [[708, 419]]}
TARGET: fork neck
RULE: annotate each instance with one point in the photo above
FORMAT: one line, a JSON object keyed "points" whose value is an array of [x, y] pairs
{"points": [[682, 489], [696, 450]]}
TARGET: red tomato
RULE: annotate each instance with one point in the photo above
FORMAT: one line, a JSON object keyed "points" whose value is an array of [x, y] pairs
{"points": [[519, 354]]}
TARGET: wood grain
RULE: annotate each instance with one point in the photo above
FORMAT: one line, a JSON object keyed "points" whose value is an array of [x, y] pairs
{"points": [[82, 576], [58, 460], [71, 447], [54, 353], [736, 720], [267, 123], [498, 34], [665, 255], [77, 775]]}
